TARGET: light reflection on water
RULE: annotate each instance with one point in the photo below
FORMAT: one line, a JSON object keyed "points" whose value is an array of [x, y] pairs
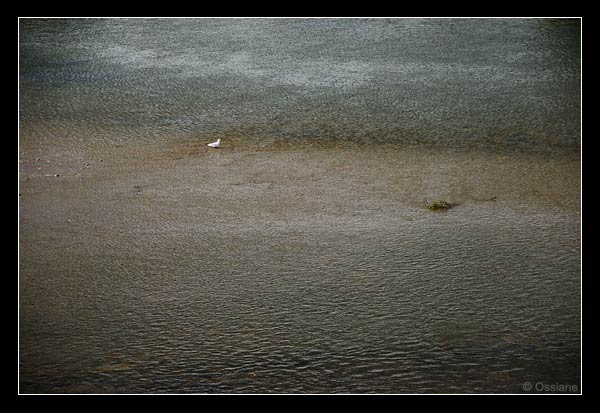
{"points": [[457, 84], [298, 258]]}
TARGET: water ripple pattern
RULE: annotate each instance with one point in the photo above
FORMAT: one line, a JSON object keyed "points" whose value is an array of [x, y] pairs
{"points": [[300, 257], [495, 83]]}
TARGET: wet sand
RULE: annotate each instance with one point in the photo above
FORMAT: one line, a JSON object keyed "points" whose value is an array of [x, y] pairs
{"points": [[301, 257], [244, 182], [246, 245]]}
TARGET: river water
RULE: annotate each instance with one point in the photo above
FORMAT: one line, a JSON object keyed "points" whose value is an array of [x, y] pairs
{"points": [[300, 257]]}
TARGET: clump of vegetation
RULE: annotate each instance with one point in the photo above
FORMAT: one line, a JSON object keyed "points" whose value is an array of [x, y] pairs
{"points": [[439, 206]]}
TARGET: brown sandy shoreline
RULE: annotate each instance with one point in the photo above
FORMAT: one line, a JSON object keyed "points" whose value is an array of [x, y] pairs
{"points": [[105, 245], [311, 178]]}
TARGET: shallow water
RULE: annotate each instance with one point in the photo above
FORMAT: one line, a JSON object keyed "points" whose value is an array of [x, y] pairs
{"points": [[487, 84], [299, 258]]}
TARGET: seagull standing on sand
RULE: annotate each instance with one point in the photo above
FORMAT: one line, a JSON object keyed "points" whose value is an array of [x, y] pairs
{"points": [[216, 144]]}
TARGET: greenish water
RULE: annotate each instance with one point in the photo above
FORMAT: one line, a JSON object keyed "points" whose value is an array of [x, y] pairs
{"points": [[453, 83], [300, 257]]}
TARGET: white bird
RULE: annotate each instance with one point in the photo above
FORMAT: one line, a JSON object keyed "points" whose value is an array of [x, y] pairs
{"points": [[216, 144]]}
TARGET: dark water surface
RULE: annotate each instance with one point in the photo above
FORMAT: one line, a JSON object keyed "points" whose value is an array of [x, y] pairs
{"points": [[453, 83], [301, 256]]}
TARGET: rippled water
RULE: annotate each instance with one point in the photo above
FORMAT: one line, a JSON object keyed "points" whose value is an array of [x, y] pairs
{"points": [[298, 258], [455, 83]]}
